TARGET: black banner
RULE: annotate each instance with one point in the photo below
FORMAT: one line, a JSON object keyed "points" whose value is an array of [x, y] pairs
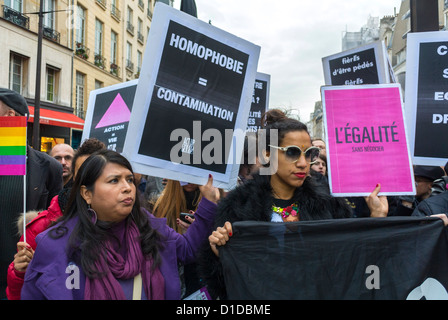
{"points": [[198, 87], [432, 101], [362, 258]]}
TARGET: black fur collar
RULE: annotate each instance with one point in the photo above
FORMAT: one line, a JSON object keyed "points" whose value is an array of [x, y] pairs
{"points": [[254, 199]]}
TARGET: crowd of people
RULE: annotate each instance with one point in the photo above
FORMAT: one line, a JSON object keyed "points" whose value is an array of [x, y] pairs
{"points": [[97, 230]]}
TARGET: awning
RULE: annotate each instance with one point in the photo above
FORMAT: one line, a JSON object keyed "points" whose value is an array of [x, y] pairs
{"points": [[57, 118]]}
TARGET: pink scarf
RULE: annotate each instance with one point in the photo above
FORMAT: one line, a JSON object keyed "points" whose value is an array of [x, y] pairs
{"points": [[108, 288]]}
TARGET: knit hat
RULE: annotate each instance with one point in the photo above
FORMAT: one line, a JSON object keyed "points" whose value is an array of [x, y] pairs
{"points": [[14, 100]]}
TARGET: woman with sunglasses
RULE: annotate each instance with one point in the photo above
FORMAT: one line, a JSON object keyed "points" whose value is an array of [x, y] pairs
{"points": [[288, 193]]}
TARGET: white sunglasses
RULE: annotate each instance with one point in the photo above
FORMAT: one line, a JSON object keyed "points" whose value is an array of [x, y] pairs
{"points": [[293, 153]]}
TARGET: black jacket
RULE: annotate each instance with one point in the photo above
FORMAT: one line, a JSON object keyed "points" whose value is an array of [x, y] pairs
{"points": [[432, 205], [253, 201], [44, 179]]}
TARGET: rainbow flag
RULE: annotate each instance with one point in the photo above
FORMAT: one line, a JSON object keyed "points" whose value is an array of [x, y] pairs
{"points": [[12, 146]]}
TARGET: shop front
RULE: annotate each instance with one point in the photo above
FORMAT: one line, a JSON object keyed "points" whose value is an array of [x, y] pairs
{"points": [[56, 127]]}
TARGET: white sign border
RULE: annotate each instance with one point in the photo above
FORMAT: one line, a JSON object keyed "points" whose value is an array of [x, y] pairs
{"points": [[411, 94], [381, 63], [163, 14], [91, 104]]}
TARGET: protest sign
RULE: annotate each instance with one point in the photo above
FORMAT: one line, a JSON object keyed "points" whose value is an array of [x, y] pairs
{"points": [[260, 101], [366, 140], [192, 101], [108, 114], [366, 64], [396, 258], [427, 97]]}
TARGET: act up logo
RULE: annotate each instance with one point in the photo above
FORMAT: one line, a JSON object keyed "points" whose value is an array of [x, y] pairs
{"points": [[108, 114]]}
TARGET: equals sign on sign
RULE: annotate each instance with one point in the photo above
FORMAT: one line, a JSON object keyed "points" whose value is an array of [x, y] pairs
{"points": [[202, 81]]}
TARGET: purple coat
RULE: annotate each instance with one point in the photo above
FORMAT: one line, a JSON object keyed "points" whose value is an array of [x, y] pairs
{"points": [[50, 275]]}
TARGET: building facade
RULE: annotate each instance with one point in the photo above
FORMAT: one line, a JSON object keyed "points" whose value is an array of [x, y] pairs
{"points": [[87, 44], [18, 63], [109, 39]]}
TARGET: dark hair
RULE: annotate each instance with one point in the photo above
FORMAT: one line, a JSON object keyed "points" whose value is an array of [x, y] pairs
{"points": [[87, 241], [88, 147], [276, 119]]}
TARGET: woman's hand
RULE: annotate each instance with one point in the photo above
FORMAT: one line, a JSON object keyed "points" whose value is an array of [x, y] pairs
{"points": [[23, 256], [184, 225], [378, 206], [210, 192], [219, 237], [441, 216]]}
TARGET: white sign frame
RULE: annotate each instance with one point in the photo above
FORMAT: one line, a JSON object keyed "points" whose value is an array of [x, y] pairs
{"points": [[414, 40], [381, 58], [163, 15], [91, 105]]}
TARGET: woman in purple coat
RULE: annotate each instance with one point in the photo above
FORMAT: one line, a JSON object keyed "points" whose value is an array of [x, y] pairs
{"points": [[106, 247]]}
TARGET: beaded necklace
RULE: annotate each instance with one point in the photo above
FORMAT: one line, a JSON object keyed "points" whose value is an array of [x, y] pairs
{"points": [[292, 210]]}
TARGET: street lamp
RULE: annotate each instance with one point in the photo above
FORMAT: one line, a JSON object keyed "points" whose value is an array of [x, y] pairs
{"points": [[36, 140]]}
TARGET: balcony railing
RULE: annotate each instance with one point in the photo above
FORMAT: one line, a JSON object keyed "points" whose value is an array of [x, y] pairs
{"points": [[114, 69], [115, 12], [99, 61], [140, 37], [51, 34], [16, 17], [102, 3], [141, 5], [130, 28], [82, 51], [129, 65]]}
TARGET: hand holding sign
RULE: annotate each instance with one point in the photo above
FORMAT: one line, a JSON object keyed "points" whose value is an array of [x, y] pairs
{"points": [[210, 192], [378, 205]]}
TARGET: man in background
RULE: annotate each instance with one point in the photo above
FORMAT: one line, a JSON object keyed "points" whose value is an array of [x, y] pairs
{"points": [[64, 154]]}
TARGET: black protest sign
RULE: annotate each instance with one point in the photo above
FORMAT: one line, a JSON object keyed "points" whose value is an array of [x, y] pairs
{"points": [[193, 93], [108, 114], [190, 88], [362, 65], [432, 101], [260, 101], [427, 97]]}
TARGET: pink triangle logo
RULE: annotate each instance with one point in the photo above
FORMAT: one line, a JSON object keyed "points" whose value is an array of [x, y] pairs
{"points": [[118, 112]]}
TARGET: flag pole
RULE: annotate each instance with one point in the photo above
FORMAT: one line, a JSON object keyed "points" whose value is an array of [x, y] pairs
{"points": [[24, 188]]}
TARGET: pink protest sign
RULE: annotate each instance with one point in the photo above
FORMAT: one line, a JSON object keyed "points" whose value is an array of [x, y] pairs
{"points": [[366, 140]]}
